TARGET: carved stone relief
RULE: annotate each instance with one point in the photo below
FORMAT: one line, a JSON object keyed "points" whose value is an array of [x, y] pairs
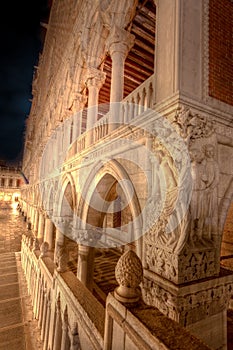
{"points": [[191, 307], [187, 252]]}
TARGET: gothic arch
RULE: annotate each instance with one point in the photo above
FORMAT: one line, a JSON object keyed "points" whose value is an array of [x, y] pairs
{"points": [[108, 175], [65, 198]]}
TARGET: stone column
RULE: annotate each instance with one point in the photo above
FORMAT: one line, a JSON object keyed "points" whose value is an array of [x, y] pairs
{"points": [[119, 43], [36, 221], [67, 132], [47, 325], [65, 341], [48, 236], [40, 234], [41, 306], [94, 81], [77, 119], [32, 217], [37, 296], [44, 316], [86, 265], [74, 339], [58, 328], [59, 242], [179, 32]]}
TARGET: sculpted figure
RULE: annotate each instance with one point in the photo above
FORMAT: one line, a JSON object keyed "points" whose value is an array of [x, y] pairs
{"points": [[212, 173], [198, 208], [44, 249]]}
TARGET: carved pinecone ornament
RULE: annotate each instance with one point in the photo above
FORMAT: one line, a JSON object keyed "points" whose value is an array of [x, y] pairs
{"points": [[129, 270]]}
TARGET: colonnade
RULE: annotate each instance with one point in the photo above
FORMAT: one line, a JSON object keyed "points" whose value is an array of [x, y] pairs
{"points": [[43, 231]]}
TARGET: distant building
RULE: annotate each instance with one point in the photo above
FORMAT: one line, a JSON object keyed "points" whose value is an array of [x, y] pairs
{"points": [[10, 183]]}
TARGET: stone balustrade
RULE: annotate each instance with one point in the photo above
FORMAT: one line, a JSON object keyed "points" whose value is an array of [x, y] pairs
{"points": [[70, 317], [131, 107]]}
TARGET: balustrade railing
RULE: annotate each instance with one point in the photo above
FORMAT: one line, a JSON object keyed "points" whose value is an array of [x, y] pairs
{"points": [[136, 103]]}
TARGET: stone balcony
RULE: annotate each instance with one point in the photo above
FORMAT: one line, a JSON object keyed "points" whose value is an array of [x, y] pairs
{"points": [[134, 105]]}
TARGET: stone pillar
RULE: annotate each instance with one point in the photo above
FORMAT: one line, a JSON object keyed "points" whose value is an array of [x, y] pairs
{"points": [[74, 339], [77, 119], [40, 234], [44, 316], [48, 236], [94, 81], [37, 296], [58, 328], [59, 241], [86, 265], [47, 325], [36, 221], [65, 341], [179, 49], [119, 43], [41, 306]]}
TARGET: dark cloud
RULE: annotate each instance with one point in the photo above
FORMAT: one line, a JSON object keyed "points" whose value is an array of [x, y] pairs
{"points": [[20, 44]]}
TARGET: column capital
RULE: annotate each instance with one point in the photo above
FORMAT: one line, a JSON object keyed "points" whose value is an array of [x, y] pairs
{"points": [[94, 77], [120, 40]]}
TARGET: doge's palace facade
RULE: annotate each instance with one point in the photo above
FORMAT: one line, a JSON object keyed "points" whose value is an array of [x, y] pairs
{"points": [[128, 153]]}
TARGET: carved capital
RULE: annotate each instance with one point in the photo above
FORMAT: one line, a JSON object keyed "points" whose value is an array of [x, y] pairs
{"points": [[95, 77], [44, 249], [120, 41]]}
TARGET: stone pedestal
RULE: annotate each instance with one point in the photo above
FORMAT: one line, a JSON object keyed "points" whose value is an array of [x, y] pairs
{"points": [[199, 306]]}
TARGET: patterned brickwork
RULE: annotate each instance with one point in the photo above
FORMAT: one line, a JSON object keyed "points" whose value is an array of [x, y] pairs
{"points": [[221, 50]]}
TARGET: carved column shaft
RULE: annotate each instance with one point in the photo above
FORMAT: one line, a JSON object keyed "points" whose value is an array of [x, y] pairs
{"points": [[47, 325], [37, 298], [48, 237], [86, 265], [74, 339], [59, 242], [58, 331], [41, 306], [35, 220], [44, 316], [40, 234], [119, 43], [77, 119], [95, 80], [65, 341]]}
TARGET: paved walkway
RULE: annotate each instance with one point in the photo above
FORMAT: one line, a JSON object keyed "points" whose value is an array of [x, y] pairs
{"points": [[18, 328]]}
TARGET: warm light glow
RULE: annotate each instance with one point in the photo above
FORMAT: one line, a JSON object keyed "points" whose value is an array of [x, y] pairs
{"points": [[15, 196]]}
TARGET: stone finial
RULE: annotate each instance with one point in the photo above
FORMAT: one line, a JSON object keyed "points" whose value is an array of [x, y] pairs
{"points": [[36, 244], [44, 249], [62, 259], [128, 274]]}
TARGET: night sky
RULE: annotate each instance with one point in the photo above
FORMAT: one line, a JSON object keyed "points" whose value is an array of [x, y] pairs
{"points": [[21, 37]]}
